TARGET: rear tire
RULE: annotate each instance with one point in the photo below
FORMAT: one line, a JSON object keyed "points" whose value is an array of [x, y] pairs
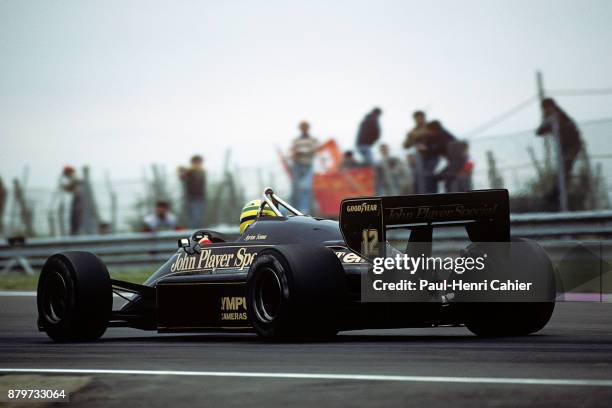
{"points": [[296, 292], [493, 319], [74, 297]]}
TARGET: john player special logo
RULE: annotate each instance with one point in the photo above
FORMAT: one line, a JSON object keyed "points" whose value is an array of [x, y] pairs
{"points": [[457, 211], [207, 260], [362, 207]]}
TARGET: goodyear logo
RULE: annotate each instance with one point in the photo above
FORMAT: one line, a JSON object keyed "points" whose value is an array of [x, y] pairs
{"points": [[364, 207], [233, 308]]}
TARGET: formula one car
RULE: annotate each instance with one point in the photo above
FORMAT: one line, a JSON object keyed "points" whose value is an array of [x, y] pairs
{"points": [[294, 276]]}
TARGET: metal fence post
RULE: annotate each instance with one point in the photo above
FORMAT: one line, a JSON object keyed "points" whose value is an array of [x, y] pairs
{"points": [[561, 181]]}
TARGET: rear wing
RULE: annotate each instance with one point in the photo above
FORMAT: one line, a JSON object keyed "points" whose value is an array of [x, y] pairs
{"points": [[364, 221]]}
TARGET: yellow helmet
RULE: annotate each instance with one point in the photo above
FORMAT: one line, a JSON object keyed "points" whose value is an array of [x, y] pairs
{"points": [[249, 212]]}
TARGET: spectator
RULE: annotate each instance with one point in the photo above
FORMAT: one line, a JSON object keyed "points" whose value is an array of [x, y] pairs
{"points": [[391, 174], [430, 148], [457, 175], [368, 134], [161, 219], [3, 194], [348, 161], [415, 136], [105, 228], [569, 136], [419, 130], [73, 185], [303, 150], [194, 190]]}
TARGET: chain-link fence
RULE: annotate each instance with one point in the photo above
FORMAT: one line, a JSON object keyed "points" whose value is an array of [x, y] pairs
{"points": [[517, 160], [120, 205], [515, 163]]}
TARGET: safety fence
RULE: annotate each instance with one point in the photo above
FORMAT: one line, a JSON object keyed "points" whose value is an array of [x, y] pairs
{"points": [[123, 203]]}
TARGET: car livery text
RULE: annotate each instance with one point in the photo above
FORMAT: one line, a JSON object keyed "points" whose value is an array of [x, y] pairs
{"points": [[240, 259]]}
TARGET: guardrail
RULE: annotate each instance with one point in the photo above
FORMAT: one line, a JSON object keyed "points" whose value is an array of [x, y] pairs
{"points": [[138, 250], [579, 225], [126, 250]]}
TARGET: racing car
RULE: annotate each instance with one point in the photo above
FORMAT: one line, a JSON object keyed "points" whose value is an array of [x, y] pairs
{"points": [[292, 275]]}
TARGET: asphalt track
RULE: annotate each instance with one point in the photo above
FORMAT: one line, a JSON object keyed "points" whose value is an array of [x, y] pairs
{"points": [[568, 364]]}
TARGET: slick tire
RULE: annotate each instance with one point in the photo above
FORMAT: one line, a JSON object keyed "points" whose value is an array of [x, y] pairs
{"points": [[495, 319], [74, 297], [296, 292]]}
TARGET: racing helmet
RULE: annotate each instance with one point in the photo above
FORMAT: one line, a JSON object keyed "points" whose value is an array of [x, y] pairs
{"points": [[249, 213]]}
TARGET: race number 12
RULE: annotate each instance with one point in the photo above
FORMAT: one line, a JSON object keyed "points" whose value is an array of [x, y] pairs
{"points": [[369, 242]]}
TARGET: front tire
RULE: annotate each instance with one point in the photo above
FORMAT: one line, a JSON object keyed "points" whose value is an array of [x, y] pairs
{"points": [[296, 292], [74, 297]]}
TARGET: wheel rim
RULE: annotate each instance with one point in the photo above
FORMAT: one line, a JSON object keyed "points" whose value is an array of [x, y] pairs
{"points": [[268, 295], [56, 298]]}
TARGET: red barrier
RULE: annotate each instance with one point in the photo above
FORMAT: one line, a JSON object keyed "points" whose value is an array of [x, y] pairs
{"points": [[331, 188]]}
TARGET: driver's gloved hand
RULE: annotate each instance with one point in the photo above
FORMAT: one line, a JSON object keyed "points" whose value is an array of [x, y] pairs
{"points": [[195, 248]]}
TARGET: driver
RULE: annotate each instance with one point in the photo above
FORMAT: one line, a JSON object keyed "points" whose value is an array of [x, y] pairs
{"points": [[249, 213]]}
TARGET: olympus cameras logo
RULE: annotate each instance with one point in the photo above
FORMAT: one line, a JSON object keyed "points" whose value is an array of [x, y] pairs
{"points": [[233, 308]]}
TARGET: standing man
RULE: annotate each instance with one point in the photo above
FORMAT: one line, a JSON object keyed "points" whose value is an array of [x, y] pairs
{"points": [[71, 184], [3, 195], [303, 150], [433, 146], [194, 188], [569, 135], [418, 131], [368, 134], [414, 137]]}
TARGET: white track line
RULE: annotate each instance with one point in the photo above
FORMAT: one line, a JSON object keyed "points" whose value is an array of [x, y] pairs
{"points": [[8, 293], [323, 376]]}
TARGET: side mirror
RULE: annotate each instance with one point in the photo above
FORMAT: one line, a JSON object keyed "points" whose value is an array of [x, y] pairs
{"points": [[189, 247], [184, 243]]}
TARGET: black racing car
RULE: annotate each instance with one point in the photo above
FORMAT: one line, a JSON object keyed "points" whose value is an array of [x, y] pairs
{"points": [[293, 276]]}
